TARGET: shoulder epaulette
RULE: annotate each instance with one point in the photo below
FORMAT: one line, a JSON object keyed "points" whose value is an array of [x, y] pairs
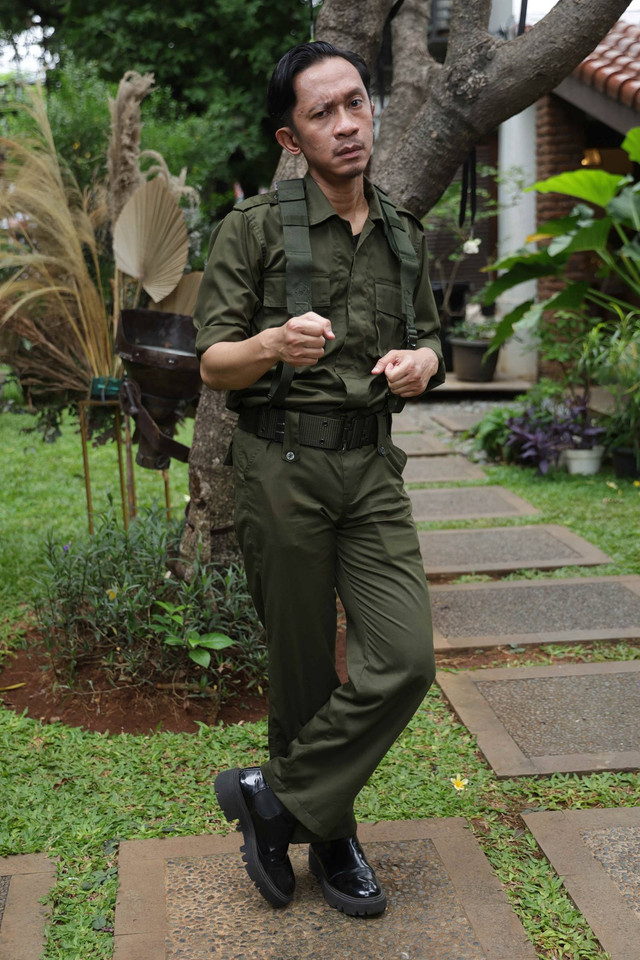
{"points": [[399, 209], [258, 201]]}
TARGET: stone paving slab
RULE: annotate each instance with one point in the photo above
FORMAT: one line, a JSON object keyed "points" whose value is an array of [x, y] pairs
{"points": [[597, 855], [189, 898], [425, 444], [468, 503], [571, 610], [413, 419], [450, 553], [502, 383], [24, 880], [441, 469], [458, 421], [568, 718]]}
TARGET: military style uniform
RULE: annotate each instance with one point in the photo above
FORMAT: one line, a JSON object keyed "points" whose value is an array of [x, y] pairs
{"points": [[312, 519]]}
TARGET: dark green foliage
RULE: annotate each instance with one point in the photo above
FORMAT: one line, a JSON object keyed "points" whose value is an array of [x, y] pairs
{"points": [[214, 59], [110, 600]]}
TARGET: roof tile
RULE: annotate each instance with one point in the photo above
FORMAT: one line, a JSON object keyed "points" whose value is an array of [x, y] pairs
{"points": [[614, 66]]}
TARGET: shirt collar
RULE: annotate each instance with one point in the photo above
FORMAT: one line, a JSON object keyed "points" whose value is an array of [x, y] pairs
{"points": [[320, 209]]}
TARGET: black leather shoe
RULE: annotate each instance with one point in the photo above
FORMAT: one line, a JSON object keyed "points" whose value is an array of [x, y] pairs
{"points": [[266, 825], [348, 881]]}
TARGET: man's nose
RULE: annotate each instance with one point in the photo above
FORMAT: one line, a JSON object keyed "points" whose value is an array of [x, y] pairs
{"points": [[345, 124]]}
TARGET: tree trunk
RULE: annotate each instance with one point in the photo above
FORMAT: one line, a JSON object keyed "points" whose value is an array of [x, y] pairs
{"points": [[436, 113], [209, 534]]}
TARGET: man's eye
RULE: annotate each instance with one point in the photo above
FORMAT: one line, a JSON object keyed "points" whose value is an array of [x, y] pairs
{"points": [[356, 102]]}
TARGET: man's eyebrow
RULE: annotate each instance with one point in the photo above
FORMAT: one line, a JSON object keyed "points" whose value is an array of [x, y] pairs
{"points": [[323, 104]]}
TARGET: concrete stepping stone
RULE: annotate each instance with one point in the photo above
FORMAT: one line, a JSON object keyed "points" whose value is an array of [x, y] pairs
{"points": [[450, 553], [567, 718], [468, 503], [189, 898], [460, 420], [597, 855], [535, 611], [413, 419], [24, 880], [441, 469], [425, 444]]}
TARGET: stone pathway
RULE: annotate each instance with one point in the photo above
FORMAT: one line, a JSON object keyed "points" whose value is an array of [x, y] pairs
{"points": [[450, 553], [24, 880], [597, 855], [468, 503], [571, 610], [568, 718], [190, 899], [452, 468]]}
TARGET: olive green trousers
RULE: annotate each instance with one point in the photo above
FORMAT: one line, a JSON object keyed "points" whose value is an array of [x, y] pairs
{"points": [[322, 522]]}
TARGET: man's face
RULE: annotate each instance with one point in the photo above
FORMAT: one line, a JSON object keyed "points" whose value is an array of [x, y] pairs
{"points": [[332, 120]]}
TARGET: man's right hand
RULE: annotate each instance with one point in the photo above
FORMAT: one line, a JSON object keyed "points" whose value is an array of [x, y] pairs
{"points": [[300, 341]]}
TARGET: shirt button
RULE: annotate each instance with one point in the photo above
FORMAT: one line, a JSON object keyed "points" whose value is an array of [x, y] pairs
{"points": [[289, 455]]}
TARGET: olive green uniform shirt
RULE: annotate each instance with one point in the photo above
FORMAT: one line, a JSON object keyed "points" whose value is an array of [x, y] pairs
{"points": [[355, 284]]}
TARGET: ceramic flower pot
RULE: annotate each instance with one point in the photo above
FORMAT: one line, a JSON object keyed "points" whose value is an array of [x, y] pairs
{"points": [[585, 462], [470, 360]]}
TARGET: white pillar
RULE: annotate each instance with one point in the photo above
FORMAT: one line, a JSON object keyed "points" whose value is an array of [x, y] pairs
{"points": [[516, 221]]}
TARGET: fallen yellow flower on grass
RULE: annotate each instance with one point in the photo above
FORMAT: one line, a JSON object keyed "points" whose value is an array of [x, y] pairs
{"points": [[459, 782]]}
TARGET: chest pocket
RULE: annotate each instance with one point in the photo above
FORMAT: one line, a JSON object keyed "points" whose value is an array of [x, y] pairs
{"points": [[274, 299], [389, 316]]}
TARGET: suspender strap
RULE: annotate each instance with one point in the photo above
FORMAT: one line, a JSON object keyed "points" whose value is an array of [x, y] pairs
{"points": [[297, 250], [398, 240]]}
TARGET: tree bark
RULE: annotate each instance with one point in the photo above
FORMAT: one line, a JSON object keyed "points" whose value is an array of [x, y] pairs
{"points": [[208, 534]]}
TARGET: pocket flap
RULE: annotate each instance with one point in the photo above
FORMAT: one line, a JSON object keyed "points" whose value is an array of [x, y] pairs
{"points": [[388, 298], [275, 291]]}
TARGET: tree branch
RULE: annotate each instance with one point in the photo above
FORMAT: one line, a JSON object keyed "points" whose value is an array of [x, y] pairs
{"points": [[538, 60], [412, 65], [356, 25], [469, 24]]}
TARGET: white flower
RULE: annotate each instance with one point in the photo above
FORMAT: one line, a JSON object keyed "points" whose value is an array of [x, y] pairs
{"points": [[472, 245]]}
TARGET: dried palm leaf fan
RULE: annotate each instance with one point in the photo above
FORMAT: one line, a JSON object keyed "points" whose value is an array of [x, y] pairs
{"points": [[150, 239], [183, 299]]}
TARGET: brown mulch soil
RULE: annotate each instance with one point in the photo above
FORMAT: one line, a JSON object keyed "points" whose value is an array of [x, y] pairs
{"points": [[27, 684]]}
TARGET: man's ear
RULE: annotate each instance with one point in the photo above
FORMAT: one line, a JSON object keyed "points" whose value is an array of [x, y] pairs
{"points": [[287, 140]]}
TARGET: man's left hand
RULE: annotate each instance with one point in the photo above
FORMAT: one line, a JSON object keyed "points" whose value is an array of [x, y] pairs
{"points": [[408, 371]]}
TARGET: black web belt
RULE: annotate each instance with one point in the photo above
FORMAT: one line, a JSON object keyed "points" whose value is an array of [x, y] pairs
{"points": [[330, 433]]}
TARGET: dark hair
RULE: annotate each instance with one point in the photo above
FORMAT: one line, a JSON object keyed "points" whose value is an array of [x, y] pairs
{"points": [[281, 97]]}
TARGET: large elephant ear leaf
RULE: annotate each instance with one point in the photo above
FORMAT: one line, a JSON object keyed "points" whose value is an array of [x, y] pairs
{"points": [[594, 186], [150, 239], [183, 298], [631, 144]]}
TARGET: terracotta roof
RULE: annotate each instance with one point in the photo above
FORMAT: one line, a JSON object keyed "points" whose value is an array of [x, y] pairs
{"points": [[614, 66]]}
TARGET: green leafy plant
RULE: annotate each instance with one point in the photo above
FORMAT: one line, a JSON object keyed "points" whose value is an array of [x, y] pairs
{"points": [[110, 601], [614, 357], [604, 224]]}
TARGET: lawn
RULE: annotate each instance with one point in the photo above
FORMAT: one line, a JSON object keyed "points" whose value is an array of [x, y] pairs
{"points": [[74, 795]]}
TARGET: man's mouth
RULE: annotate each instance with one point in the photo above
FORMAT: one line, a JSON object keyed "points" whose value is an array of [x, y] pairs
{"points": [[349, 150]]}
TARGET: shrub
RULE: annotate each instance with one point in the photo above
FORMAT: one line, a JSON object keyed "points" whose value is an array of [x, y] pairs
{"points": [[111, 601]]}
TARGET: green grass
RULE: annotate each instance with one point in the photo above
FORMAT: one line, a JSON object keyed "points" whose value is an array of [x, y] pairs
{"points": [[42, 488], [75, 795]]}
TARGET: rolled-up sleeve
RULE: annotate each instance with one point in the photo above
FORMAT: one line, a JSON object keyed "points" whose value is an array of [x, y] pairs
{"points": [[427, 319], [229, 294]]}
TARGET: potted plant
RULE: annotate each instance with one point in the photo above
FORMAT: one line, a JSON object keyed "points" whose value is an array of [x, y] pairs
{"points": [[584, 452], [470, 343]]}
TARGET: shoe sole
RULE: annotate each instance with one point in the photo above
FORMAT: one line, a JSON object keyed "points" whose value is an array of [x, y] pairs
{"points": [[352, 906], [234, 807]]}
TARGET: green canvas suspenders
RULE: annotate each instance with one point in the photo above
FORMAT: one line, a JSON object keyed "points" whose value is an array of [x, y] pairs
{"points": [[298, 265], [297, 250], [398, 240]]}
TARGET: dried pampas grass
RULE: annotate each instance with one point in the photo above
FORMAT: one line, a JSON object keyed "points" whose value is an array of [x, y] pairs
{"points": [[124, 176]]}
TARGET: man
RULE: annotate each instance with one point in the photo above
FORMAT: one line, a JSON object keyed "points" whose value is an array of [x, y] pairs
{"points": [[320, 504]]}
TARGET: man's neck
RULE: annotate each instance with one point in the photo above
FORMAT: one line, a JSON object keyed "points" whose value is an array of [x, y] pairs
{"points": [[347, 198]]}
